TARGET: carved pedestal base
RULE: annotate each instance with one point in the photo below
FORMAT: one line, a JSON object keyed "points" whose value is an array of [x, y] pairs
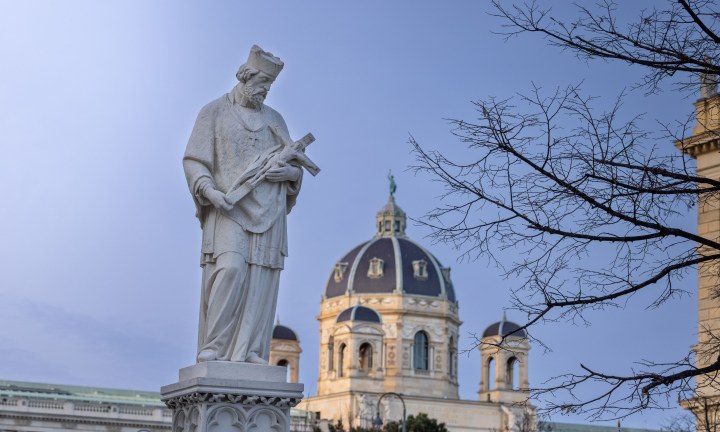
{"points": [[231, 397]]}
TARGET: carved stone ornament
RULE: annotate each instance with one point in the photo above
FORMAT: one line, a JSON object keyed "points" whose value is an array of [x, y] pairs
{"points": [[340, 271], [423, 303], [375, 271], [409, 331], [245, 400], [334, 304], [390, 330], [217, 412], [377, 301], [284, 347], [420, 270]]}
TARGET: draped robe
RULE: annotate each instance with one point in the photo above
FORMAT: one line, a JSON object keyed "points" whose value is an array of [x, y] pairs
{"points": [[243, 250]]}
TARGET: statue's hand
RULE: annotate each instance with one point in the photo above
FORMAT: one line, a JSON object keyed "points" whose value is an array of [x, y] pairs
{"points": [[218, 199], [283, 172]]}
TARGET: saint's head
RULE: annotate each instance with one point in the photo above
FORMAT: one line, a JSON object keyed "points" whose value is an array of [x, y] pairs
{"points": [[257, 75]]}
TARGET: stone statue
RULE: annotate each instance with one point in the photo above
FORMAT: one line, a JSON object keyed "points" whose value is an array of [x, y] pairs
{"points": [[244, 175], [513, 416]]}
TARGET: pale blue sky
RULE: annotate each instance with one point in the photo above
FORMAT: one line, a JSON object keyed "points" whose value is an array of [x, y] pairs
{"points": [[98, 241]]}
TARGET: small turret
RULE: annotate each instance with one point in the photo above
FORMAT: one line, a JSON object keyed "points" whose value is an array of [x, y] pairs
{"points": [[285, 350], [504, 369]]}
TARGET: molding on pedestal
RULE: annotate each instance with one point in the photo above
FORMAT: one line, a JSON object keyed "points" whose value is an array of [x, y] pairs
{"points": [[242, 399]]}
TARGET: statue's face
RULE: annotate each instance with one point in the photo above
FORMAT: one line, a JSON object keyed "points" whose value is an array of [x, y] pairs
{"points": [[258, 86]]}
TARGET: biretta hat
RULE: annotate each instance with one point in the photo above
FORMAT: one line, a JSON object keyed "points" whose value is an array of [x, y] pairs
{"points": [[264, 61]]}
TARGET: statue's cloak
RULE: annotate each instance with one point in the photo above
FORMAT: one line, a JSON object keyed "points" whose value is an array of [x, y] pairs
{"points": [[221, 152], [221, 149]]}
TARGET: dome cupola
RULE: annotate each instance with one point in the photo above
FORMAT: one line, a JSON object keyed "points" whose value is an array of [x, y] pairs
{"points": [[390, 263], [391, 220], [359, 313], [283, 332], [504, 328]]}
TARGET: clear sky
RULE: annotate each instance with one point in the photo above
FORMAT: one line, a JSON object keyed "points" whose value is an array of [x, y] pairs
{"points": [[99, 246]]}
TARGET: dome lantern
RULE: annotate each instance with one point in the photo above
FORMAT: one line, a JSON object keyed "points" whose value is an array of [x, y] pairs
{"points": [[391, 220]]}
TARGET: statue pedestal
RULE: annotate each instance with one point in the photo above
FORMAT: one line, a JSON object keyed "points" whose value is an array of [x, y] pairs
{"points": [[231, 397]]}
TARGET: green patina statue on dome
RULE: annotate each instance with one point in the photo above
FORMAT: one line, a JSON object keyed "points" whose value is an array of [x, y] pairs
{"points": [[393, 186]]}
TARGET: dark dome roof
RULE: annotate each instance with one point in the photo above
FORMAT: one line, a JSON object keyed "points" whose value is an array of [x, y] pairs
{"points": [[504, 328], [285, 333], [359, 313], [397, 254]]}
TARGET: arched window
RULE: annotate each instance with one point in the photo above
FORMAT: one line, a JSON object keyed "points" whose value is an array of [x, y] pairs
{"points": [[341, 360], [420, 351], [490, 378], [512, 372], [331, 353], [365, 358]]}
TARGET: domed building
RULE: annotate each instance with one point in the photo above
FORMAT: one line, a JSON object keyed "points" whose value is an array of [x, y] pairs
{"points": [[389, 317], [389, 323]]}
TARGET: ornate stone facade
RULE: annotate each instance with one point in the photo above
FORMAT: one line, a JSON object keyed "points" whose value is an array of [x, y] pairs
{"points": [[703, 146]]}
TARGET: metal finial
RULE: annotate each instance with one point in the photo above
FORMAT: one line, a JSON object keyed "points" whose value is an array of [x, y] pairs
{"points": [[504, 317], [393, 186], [277, 319]]}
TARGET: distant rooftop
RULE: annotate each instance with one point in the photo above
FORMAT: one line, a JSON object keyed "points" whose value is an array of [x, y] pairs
{"points": [[576, 427], [77, 393], [98, 395]]}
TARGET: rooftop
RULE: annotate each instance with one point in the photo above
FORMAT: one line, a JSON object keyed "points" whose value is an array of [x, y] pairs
{"points": [[81, 394]]}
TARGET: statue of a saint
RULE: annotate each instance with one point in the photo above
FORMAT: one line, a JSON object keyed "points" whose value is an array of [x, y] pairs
{"points": [[244, 243]]}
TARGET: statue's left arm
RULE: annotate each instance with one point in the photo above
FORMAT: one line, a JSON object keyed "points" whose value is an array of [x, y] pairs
{"points": [[293, 188]]}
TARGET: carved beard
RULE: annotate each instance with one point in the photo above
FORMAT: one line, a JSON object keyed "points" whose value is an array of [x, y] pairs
{"points": [[254, 99]]}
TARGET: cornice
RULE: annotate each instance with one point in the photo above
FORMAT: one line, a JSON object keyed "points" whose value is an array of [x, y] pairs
{"points": [[85, 420]]}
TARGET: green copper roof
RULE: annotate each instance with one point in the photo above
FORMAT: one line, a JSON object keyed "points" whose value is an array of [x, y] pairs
{"points": [[59, 392], [79, 394], [575, 427]]}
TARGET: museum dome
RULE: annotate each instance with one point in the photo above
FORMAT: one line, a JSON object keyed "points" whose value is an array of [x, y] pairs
{"points": [[504, 328], [283, 332], [390, 263], [359, 313]]}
